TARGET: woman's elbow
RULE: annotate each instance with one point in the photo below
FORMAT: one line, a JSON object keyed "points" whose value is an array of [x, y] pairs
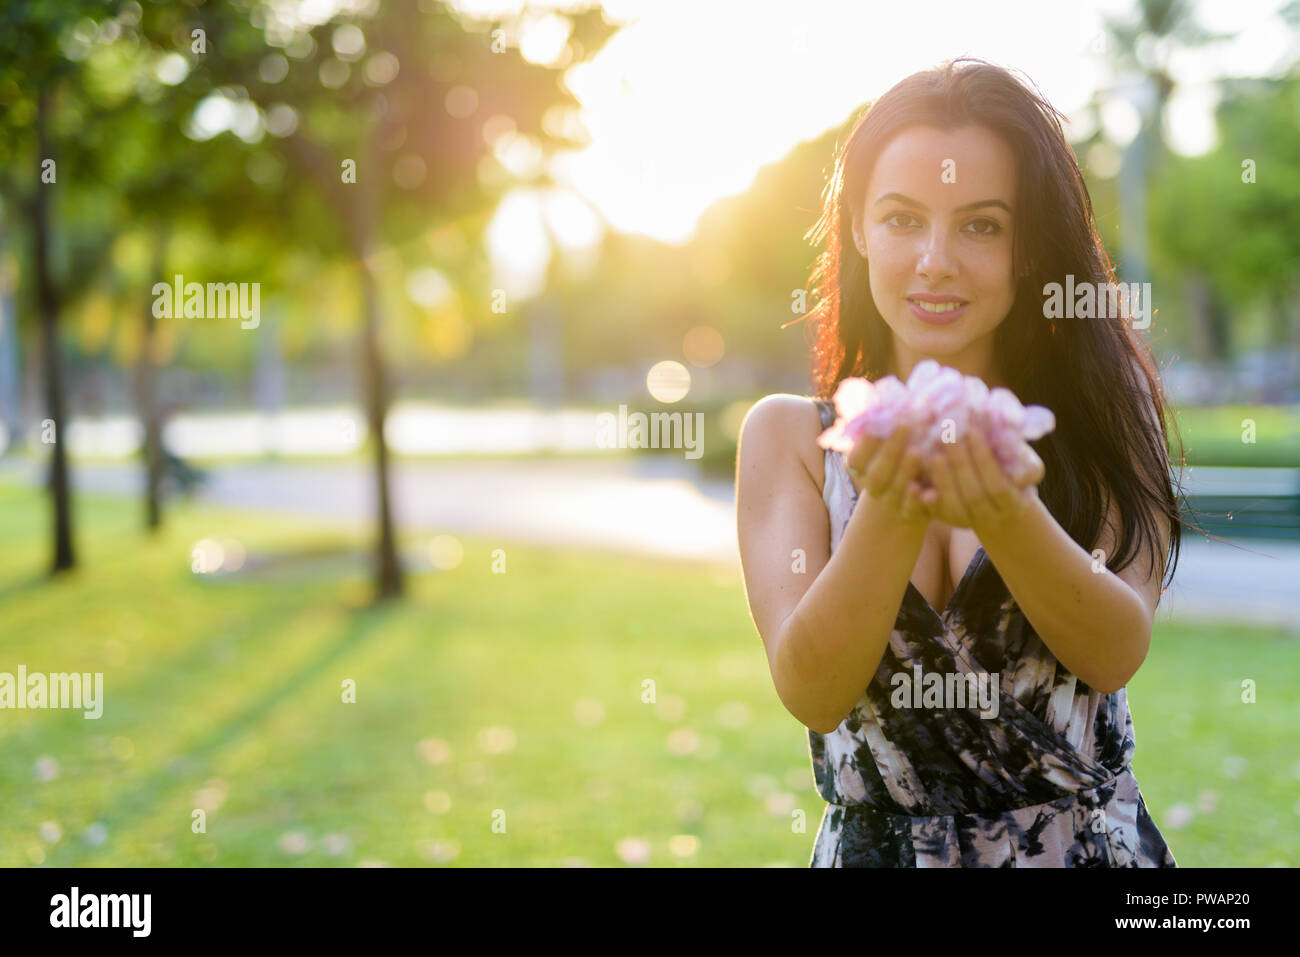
{"points": [[808, 716], [793, 674], [1121, 673]]}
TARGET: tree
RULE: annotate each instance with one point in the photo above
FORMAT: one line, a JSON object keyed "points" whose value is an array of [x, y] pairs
{"points": [[170, 184], [1140, 48], [1240, 241], [385, 123], [43, 50]]}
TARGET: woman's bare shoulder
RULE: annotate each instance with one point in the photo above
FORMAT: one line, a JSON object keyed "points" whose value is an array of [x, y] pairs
{"points": [[781, 424]]}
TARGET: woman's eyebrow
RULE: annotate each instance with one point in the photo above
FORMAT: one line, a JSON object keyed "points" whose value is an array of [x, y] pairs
{"points": [[908, 201]]}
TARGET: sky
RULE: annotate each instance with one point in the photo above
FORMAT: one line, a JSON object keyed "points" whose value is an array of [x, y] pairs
{"points": [[692, 97]]}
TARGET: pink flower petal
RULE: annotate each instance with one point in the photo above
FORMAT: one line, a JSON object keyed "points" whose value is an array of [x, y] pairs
{"points": [[922, 373], [834, 438], [853, 397], [977, 393], [935, 403], [1039, 420], [890, 390]]}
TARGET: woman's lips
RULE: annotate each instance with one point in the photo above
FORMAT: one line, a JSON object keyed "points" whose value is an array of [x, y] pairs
{"points": [[937, 318]]}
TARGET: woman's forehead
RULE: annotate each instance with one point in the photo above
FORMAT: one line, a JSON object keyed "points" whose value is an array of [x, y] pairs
{"points": [[923, 161]]}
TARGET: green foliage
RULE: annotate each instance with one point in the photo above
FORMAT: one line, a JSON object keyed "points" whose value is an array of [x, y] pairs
{"points": [[126, 85], [1244, 235]]}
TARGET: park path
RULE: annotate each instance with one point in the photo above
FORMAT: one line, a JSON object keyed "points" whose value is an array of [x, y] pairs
{"points": [[652, 506]]}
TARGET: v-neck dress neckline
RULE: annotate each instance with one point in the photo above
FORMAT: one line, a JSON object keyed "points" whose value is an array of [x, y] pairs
{"points": [[957, 593]]}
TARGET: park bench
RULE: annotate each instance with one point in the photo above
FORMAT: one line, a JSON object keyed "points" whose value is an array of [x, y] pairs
{"points": [[1245, 502]]}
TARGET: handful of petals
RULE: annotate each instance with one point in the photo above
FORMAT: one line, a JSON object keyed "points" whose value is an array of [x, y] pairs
{"points": [[935, 401]]}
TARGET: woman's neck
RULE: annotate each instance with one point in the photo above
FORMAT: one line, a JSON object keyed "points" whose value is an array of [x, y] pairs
{"points": [[901, 366]]}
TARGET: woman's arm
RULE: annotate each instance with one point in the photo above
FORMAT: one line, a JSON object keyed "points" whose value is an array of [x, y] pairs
{"points": [[1096, 622], [825, 621]]}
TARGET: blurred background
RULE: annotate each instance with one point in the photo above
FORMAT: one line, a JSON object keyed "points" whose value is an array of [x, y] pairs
{"points": [[368, 581]]}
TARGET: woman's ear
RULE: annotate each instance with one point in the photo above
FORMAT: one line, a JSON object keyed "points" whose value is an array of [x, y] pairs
{"points": [[858, 241]]}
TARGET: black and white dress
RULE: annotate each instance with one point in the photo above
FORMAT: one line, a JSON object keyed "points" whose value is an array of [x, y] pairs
{"points": [[1044, 783]]}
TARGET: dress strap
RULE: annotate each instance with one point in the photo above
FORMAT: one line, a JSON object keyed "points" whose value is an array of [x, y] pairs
{"points": [[827, 409]]}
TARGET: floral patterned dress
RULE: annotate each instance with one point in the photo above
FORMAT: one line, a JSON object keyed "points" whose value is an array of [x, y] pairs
{"points": [[1044, 783]]}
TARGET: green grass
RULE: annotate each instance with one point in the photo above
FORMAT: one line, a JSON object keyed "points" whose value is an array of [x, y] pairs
{"points": [[226, 692], [1220, 435]]}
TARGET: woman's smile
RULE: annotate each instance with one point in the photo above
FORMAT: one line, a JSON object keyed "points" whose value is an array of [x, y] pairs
{"points": [[937, 310]]}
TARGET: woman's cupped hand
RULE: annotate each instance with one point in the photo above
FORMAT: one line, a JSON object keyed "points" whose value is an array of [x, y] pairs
{"points": [[961, 483]]}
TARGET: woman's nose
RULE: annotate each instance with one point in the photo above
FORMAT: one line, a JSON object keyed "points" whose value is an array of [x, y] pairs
{"points": [[936, 256]]}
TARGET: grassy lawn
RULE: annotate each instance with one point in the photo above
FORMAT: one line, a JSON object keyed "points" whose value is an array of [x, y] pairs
{"points": [[490, 699], [1216, 436]]}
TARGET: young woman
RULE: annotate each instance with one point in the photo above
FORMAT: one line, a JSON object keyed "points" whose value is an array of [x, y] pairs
{"points": [[958, 186]]}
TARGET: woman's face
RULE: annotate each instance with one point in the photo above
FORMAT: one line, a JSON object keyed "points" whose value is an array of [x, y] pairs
{"points": [[936, 227]]}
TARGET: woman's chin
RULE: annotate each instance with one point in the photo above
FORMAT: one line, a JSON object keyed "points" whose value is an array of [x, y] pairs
{"points": [[936, 343]]}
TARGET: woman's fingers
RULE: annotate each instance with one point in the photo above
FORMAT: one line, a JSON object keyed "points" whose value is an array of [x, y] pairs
{"points": [[946, 492], [914, 505], [903, 475], [963, 483], [885, 463], [863, 452], [987, 468], [889, 471], [1028, 468], [1032, 470], [962, 470]]}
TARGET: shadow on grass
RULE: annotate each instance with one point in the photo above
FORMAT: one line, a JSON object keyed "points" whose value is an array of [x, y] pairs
{"points": [[27, 584], [129, 808]]}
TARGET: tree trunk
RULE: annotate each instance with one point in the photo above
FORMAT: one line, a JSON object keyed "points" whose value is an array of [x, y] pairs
{"points": [[1220, 327], [1132, 185], [147, 400], [360, 204], [1210, 322], [1280, 320], [47, 300], [10, 389], [388, 572]]}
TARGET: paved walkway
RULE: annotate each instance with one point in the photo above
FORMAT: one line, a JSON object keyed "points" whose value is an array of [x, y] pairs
{"points": [[644, 505]]}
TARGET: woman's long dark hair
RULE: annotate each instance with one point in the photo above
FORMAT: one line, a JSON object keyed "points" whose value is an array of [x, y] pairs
{"points": [[1096, 375]]}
